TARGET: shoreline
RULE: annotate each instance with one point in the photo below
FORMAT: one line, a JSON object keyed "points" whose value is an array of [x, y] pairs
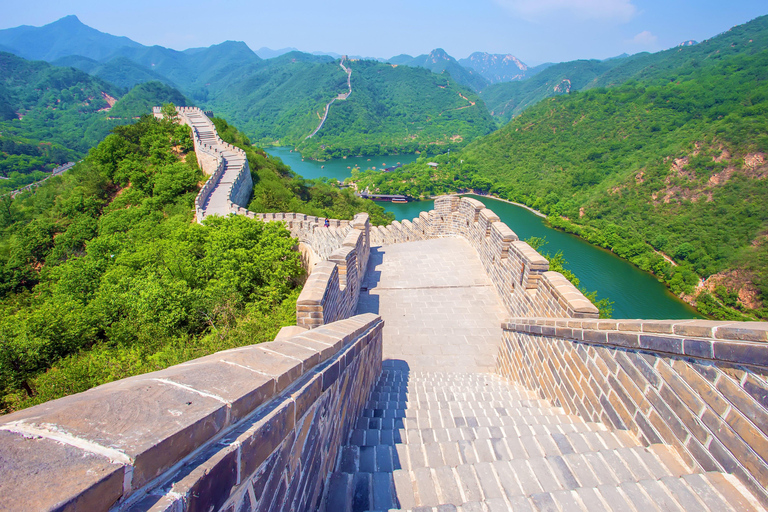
{"points": [[521, 205]]}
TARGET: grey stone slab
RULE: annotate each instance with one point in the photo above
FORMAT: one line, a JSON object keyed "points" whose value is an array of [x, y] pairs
{"points": [[383, 491], [616, 500], [487, 479], [637, 496], [682, 494], [508, 480], [544, 474], [429, 293], [31, 469], [567, 500], [404, 489], [426, 494], [468, 482], [591, 499], [449, 488]]}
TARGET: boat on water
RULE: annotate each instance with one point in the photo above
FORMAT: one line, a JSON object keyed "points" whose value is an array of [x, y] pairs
{"points": [[399, 201]]}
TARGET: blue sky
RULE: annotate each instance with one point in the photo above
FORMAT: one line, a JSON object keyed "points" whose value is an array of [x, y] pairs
{"points": [[534, 30]]}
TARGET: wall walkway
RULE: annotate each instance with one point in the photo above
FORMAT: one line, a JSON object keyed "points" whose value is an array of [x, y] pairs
{"points": [[493, 386]]}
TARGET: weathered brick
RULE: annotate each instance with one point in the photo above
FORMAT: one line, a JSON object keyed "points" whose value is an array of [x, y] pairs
{"points": [[666, 344], [261, 440], [31, 472], [174, 421], [207, 480], [742, 352]]}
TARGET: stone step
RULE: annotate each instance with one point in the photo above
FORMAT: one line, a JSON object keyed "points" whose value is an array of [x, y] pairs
{"points": [[538, 439], [495, 414], [548, 421], [607, 466], [491, 488]]}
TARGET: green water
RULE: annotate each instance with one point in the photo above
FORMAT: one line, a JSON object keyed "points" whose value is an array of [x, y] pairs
{"points": [[635, 294], [340, 168]]}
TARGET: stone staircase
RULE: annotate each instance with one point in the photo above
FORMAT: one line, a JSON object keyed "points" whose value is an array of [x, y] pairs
{"points": [[472, 442]]}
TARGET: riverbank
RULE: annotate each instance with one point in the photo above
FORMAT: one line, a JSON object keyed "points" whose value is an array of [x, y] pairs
{"points": [[521, 205]]}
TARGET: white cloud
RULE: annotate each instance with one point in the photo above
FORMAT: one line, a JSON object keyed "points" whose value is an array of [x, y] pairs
{"points": [[536, 10], [644, 38]]}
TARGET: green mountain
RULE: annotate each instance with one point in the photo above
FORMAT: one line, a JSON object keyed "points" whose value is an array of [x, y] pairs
{"points": [[506, 100], [50, 103], [119, 71], [64, 37], [140, 100], [400, 109], [438, 61], [104, 274], [50, 115], [670, 165]]}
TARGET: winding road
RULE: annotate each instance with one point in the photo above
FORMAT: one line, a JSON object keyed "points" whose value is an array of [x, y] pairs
{"points": [[341, 96]]}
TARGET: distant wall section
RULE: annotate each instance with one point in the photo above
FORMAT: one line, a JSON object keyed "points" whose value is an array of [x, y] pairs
{"points": [[520, 274]]}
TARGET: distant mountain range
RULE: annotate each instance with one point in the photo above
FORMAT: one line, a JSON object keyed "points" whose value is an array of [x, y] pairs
{"points": [[281, 99]]}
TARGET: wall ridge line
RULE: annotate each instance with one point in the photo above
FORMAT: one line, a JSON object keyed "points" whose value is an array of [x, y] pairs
{"points": [[51, 432], [193, 390]]}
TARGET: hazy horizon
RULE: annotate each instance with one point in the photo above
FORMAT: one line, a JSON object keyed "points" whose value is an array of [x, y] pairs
{"points": [[535, 31]]}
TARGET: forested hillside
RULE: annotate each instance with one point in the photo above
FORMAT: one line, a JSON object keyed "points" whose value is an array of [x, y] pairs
{"points": [[399, 109], [282, 100], [104, 274], [50, 115], [673, 166], [141, 98], [506, 100]]}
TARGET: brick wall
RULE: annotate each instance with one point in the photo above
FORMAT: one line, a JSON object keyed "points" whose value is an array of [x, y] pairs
{"points": [[333, 288], [700, 386], [520, 274], [255, 427]]}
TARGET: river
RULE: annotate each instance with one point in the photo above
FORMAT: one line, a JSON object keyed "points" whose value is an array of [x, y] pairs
{"points": [[635, 294]]}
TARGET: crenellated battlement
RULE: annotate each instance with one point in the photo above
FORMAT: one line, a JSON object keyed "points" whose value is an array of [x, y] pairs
{"points": [[520, 274]]}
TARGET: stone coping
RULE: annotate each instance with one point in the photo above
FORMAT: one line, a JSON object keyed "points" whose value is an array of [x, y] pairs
{"points": [[743, 343], [116, 438]]}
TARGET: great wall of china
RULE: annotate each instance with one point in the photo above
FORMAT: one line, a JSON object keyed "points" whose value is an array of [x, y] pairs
{"points": [[435, 364]]}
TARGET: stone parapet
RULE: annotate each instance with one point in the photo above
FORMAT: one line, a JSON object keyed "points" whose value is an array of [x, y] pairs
{"points": [[333, 288], [257, 427], [225, 164], [700, 386], [520, 274]]}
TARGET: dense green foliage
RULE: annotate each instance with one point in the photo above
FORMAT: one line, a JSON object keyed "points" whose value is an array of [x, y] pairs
{"points": [[510, 99], [276, 188], [51, 115], [47, 103], [104, 274], [140, 100], [119, 71], [24, 161], [557, 263], [281, 101], [399, 109], [672, 165]]}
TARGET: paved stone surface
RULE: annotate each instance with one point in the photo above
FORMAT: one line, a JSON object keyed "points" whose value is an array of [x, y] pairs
{"points": [[440, 309], [441, 432], [434, 441]]}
